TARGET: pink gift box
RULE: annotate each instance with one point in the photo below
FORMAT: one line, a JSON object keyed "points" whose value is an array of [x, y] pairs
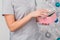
{"points": [[49, 20]]}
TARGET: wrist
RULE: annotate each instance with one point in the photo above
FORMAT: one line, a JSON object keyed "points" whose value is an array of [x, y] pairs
{"points": [[31, 15]]}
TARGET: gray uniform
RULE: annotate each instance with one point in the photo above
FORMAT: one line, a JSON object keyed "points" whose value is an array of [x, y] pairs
{"points": [[21, 8], [30, 31]]}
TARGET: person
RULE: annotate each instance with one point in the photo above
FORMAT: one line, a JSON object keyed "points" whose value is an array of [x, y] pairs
{"points": [[20, 17]]}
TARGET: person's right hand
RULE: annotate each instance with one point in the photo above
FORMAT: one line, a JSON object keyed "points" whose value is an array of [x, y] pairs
{"points": [[41, 13]]}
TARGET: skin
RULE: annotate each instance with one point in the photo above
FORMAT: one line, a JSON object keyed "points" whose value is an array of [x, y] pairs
{"points": [[15, 25]]}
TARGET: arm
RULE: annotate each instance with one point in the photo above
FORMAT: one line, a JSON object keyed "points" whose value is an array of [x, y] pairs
{"points": [[14, 25]]}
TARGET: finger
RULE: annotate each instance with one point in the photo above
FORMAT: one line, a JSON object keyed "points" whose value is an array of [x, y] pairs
{"points": [[43, 16], [42, 23], [45, 24]]}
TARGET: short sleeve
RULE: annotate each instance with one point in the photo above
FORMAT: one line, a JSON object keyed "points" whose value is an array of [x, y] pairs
{"points": [[7, 7]]}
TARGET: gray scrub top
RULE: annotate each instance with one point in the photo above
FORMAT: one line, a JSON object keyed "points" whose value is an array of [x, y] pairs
{"points": [[30, 31], [21, 8]]}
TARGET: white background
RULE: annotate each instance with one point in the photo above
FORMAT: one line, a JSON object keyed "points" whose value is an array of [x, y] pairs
{"points": [[4, 32]]}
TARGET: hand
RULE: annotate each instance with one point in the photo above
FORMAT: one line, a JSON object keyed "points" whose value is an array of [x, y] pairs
{"points": [[41, 13], [45, 23]]}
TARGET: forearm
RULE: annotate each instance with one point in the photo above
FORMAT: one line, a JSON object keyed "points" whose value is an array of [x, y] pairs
{"points": [[18, 24], [14, 25]]}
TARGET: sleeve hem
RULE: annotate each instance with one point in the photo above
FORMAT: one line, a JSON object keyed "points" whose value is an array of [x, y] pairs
{"points": [[7, 14]]}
